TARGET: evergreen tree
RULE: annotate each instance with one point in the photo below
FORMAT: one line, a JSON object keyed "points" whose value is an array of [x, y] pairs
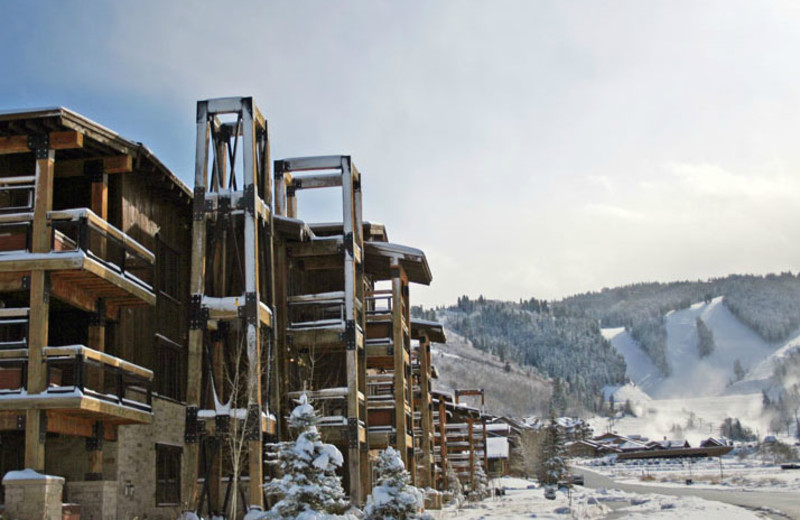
{"points": [[738, 371], [393, 498], [455, 491], [309, 488], [480, 486], [553, 464], [705, 344]]}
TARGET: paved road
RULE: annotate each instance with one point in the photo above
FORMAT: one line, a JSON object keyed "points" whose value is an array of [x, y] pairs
{"points": [[787, 503]]}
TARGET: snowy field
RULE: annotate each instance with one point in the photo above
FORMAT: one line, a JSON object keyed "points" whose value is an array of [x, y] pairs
{"points": [[524, 499], [751, 474]]}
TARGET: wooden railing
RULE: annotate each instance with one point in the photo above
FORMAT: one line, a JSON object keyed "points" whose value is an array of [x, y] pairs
{"points": [[82, 229], [98, 375], [317, 310], [17, 193]]}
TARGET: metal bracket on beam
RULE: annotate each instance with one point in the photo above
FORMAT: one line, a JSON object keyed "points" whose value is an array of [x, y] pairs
{"points": [[198, 315], [222, 424], [279, 168], [26, 282], [199, 203], [347, 243], [94, 170], [21, 422], [192, 429], [95, 442], [349, 335], [219, 335], [40, 145], [98, 317], [249, 311], [253, 424], [248, 200], [352, 432], [223, 205]]}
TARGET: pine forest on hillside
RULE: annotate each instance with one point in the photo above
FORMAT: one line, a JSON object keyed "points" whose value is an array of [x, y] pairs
{"points": [[562, 340]]}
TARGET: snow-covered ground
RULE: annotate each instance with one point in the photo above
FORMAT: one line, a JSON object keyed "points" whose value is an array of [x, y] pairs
{"points": [[730, 473], [524, 499]]}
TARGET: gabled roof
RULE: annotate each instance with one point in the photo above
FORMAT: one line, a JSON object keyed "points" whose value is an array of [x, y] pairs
{"points": [[380, 254], [98, 140], [433, 329]]}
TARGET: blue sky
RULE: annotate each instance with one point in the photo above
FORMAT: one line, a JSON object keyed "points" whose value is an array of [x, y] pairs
{"points": [[531, 148]]}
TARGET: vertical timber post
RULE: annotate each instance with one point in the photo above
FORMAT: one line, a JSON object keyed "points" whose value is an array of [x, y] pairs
{"points": [[352, 339], [253, 338], [470, 433], [425, 403], [36, 420], [443, 437], [196, 330], [399, 341]]}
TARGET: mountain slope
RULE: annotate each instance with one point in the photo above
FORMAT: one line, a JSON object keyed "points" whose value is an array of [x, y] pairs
{"points": [[513, 391], [693, 375]]}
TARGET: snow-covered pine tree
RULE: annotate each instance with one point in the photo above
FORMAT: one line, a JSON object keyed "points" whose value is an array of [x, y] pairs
{"points": [[309, 488], [480, 487], [455, 491], [393, 498], [553, 466]]}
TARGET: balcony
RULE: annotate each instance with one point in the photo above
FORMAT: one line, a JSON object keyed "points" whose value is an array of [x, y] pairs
{"points": [[88, 259], [320, 319], [82, 382]]}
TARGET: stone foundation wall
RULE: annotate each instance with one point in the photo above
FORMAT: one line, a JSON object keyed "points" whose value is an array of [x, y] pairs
{"points": [[31, 496], [98, 498]]}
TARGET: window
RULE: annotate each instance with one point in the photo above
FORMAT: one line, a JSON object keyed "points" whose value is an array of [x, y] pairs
{"points": [[169, 368], [168, 475]]}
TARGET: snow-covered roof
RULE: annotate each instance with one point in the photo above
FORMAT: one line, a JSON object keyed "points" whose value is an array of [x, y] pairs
{"points": [[433, 329], [379, 255]]}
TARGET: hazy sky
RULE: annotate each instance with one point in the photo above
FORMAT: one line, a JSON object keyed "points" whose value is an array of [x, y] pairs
{"points": [[530, 148]]}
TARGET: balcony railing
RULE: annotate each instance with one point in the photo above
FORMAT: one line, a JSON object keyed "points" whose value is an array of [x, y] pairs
{"points": [[77, 368], [99, 375], [16, 194], [82, 229], [320, 310]]}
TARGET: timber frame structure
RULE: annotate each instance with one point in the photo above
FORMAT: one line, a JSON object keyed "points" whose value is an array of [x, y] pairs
{"points": [[174, 328], [232, 295]]}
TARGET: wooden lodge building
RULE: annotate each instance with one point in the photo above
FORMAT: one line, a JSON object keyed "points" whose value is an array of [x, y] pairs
{"points": [[153, 337]]}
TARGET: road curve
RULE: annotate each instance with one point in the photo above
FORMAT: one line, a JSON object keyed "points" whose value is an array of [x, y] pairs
{"points": [[787, 503]]}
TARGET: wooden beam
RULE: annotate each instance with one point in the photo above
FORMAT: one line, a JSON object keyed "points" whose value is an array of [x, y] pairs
{"points": [[66, 140], [111, 164], [12, 281], [58, 141], [14, 144]]}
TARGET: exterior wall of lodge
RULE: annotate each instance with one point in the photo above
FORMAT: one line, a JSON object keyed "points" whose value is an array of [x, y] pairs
{"points": [[150, 207]]}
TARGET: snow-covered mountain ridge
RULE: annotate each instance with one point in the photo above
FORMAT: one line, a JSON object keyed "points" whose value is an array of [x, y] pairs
{"points": [[695, 376]]}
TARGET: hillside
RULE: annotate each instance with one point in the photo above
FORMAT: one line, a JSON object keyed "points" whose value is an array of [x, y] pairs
{"points": [[510, 389], [570, 351], [716, 339]]}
